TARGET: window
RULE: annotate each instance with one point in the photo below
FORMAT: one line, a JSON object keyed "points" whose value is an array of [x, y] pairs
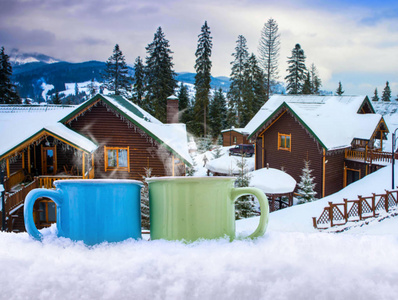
{"points": [[234, 139], [284, 142], [117, 158], [45, 213]]}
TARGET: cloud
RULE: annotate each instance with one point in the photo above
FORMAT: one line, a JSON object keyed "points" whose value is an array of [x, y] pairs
{"points": [[19, 37]]}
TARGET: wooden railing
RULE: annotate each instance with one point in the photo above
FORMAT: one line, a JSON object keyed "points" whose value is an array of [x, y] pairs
{"points": [[14, 179], [355, 210], [370, 156], [47, 182]]}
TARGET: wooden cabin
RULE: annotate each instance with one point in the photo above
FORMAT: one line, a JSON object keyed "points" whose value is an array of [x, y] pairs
{"points": [[234, 136], [105, 137], [341, 136]]}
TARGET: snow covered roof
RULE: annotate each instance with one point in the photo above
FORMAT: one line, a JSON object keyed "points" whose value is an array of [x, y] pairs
{"points": [[18, 128], [333, 120], [272, 181], [239, 130], [171, 136], [228, 164]]}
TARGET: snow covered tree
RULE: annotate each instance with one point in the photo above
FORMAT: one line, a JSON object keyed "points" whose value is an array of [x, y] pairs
{"points": [[307, 90], [339, 90], [92, 88], [160, 76], [8, 93], [191, 169], [237, 77], [386, 96], [217, 153], [296, 76], [202, 80], [268, 50], [116, 76], [306, 185], [217, 113], [316, 82], [138, 82], [244, 206], [145, 200], [376, 96]]}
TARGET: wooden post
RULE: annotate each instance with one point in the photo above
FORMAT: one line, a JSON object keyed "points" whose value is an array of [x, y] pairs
{"points": [[331, 213], [345, 210], [374, 204], [29, 168], [314, 222], [8, 167], [386, 201], [23, 160], [360, 207], [323, 173]]}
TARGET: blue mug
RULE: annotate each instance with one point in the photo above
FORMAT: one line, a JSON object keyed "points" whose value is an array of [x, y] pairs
{"points": [[91, 210]]}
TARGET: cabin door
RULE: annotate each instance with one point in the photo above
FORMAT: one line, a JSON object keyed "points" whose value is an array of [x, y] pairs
{"points": [[49, 160]]}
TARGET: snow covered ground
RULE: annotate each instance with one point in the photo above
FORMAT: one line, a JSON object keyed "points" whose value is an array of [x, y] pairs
{"points": [[291, 261]]}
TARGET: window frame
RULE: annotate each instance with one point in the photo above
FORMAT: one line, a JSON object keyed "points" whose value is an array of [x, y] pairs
{"points": [[283, 147], [118, 168]]}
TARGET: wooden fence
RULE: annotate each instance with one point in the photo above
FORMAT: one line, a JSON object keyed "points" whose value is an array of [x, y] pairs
{"points": [[355, 210], [14, 179]]}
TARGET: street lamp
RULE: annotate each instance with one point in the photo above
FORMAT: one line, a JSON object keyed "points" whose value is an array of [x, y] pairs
{"points": [[394, 139]]}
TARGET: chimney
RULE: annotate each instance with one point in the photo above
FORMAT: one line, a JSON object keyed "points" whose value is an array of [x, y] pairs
{"points": [[172, 109]]}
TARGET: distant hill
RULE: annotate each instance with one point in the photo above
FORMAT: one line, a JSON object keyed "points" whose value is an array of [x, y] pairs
{"points": [[20, 58]]}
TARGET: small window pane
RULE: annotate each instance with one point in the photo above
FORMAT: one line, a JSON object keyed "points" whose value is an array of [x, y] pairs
{"points": [[283, 142], [123, 158], [112, 161], [51, 211], [287, 142]]}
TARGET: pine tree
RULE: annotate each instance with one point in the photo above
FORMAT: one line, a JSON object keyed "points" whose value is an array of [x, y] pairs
{"points": [[160, 76], [339, 90], [217, 113], [316, 82], [56, 99], [244, 206], [8, 93], [185, 107], [386, 96], [92, 88], [269, 54], [375, 97], [237, 78], [145, 222], [202, 80], [306, 185], [296, 69], [138, 82], [116, 76], [307, 90]]}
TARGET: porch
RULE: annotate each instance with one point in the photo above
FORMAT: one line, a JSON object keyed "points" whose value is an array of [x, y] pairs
{"points": [[369, 156]]}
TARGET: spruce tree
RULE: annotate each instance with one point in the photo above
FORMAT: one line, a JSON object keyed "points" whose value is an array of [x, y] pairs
{"points": [[185, 107], [56, 99], [296, 76], [92, 88], [307, 90], [269, 54], [160, 76], [316, 82], [116, 76], [386, 96], [8, 93], [306, 185], [202, 80], [217, 113], [376, 96], [244, 206], [339, 90], [138, 82], [237, 78]]}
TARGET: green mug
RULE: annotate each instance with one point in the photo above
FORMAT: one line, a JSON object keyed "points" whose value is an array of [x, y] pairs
{"points": [[191, 208]]}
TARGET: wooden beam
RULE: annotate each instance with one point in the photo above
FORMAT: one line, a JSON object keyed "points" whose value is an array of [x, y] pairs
{"points": [[84, 165], [29, 168], [323, 173], [8, 167], [23, 160]]}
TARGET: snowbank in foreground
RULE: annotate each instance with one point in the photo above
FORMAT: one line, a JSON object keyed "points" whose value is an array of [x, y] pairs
{"points": [[279, 265]]}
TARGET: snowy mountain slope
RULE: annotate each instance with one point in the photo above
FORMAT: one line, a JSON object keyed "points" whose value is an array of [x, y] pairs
{"points": [[18, 58]]}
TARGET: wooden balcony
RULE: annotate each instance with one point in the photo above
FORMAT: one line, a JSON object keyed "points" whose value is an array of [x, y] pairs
{"points": [[370, 156]]}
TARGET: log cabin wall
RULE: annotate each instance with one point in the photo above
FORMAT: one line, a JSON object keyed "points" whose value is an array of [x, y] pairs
{"points": [[229, 137], [334, 173], [104, 127], [303, 147]]}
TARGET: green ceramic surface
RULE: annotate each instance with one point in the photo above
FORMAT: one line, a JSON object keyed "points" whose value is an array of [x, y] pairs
{"points": [[190, 208]]}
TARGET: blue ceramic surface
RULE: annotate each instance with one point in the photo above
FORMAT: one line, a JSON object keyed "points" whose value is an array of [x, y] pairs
{"points": [[92, 211]]}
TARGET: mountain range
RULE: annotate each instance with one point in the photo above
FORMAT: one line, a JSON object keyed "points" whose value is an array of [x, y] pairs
{"points": [[33, 71]]}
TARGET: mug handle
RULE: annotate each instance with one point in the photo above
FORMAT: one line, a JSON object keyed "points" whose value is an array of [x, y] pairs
{"points": [[264, 207], [30, 199]]}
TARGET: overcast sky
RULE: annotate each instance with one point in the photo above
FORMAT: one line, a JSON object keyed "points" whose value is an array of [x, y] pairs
{"points": [[355, 42]]}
